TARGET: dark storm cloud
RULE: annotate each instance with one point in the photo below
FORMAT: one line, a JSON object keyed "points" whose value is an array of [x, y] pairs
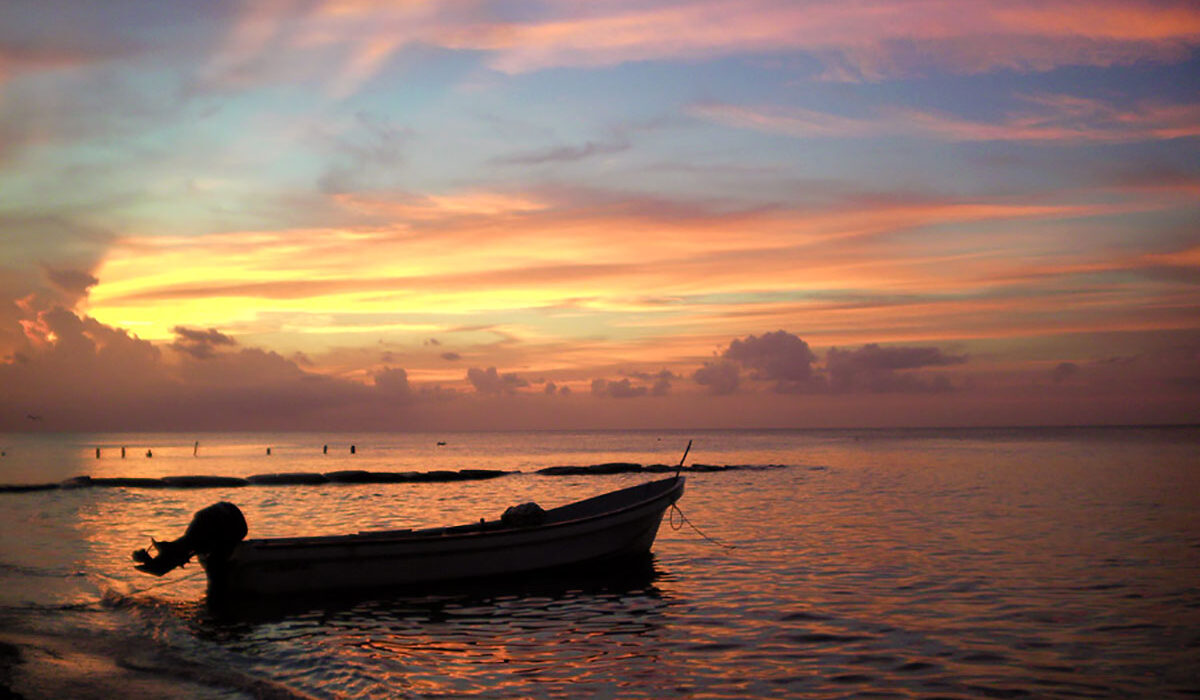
{"points": [[778, 357], [620, 389], [1064, 371], [200, 344], [885, 369], [788, 361], [721, 377], [393, 381], [659, 382], [73, 282], [489, 381], [83, 375]]}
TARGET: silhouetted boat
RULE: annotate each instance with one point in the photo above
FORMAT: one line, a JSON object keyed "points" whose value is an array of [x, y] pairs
{"points": [[611, 526]]}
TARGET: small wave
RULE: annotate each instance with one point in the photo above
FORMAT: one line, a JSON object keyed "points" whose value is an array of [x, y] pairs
{"points": [[38, 571], [825, 638], [803, 615]]}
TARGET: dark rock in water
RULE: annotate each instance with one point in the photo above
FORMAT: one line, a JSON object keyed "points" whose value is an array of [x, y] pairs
{"points": [[20, 488], [606, 468], [129, 481], [441, 475], [481, 473], [359, 476], [348, 476], [289, 478], [616, 468], [628, 467], [201, 481]]}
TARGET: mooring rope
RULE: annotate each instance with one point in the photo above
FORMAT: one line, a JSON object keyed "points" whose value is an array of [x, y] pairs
{"points": [[684, 519]]}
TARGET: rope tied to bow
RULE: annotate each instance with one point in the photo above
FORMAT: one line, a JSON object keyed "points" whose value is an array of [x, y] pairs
{"points": [[684, 519]]}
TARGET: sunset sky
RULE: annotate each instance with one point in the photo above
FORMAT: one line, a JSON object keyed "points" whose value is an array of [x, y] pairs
{"points": [[727, 213]]}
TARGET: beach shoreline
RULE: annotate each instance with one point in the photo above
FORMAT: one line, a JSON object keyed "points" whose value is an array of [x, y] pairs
{"points": [[36, 664]]}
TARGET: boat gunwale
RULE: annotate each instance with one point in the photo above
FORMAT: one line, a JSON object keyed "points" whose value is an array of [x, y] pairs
{"points": [[390, 537]]}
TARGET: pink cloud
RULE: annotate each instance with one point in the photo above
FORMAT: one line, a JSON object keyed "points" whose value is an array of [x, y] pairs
{"points": [[21, 57]]}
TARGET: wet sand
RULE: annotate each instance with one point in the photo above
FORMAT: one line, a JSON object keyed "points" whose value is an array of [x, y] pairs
{"points": [[40, 665]]}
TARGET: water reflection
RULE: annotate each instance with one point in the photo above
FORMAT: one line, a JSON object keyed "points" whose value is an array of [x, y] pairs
{"points": [[629, 576], [487, 638]]}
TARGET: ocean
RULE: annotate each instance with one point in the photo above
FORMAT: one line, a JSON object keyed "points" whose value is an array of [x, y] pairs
{"points": [[1004, 563]]}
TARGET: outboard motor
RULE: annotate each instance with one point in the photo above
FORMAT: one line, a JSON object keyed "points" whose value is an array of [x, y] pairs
{"points": [[213, 532]]}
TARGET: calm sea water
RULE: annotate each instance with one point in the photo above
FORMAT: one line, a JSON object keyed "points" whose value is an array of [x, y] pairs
{"points": [[972, 563]]}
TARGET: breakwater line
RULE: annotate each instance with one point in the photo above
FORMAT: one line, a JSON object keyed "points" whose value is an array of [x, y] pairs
{"points": [[359, 476]]}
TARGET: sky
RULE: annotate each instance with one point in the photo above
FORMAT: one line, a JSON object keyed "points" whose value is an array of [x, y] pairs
{"points": [[623, 214]]}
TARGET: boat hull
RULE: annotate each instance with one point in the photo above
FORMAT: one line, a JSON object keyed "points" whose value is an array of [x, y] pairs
{"points": [[616, 525]]}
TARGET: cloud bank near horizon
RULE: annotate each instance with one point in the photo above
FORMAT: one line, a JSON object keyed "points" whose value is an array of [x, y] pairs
{"points": [[79, 374]]}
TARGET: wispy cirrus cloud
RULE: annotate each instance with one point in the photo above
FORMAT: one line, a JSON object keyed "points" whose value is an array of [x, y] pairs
{"points": [[563, 154], [345, 44], [859, 40], [1052, 118]]}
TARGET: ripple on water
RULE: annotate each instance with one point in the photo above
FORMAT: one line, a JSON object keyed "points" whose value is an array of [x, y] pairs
{"points": [[959, 567]]}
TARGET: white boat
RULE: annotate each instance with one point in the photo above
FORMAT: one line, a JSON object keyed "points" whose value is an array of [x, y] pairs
{"points": [[611, 526]]}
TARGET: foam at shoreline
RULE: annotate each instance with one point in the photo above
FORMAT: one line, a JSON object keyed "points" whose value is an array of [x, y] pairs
{"points": [[38, 664]]}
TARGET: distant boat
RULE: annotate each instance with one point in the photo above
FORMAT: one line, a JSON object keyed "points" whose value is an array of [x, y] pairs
{"points": [[609, 527]]}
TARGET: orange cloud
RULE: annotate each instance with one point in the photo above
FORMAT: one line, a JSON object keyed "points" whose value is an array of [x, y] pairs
{"points": [[549, 275]]}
